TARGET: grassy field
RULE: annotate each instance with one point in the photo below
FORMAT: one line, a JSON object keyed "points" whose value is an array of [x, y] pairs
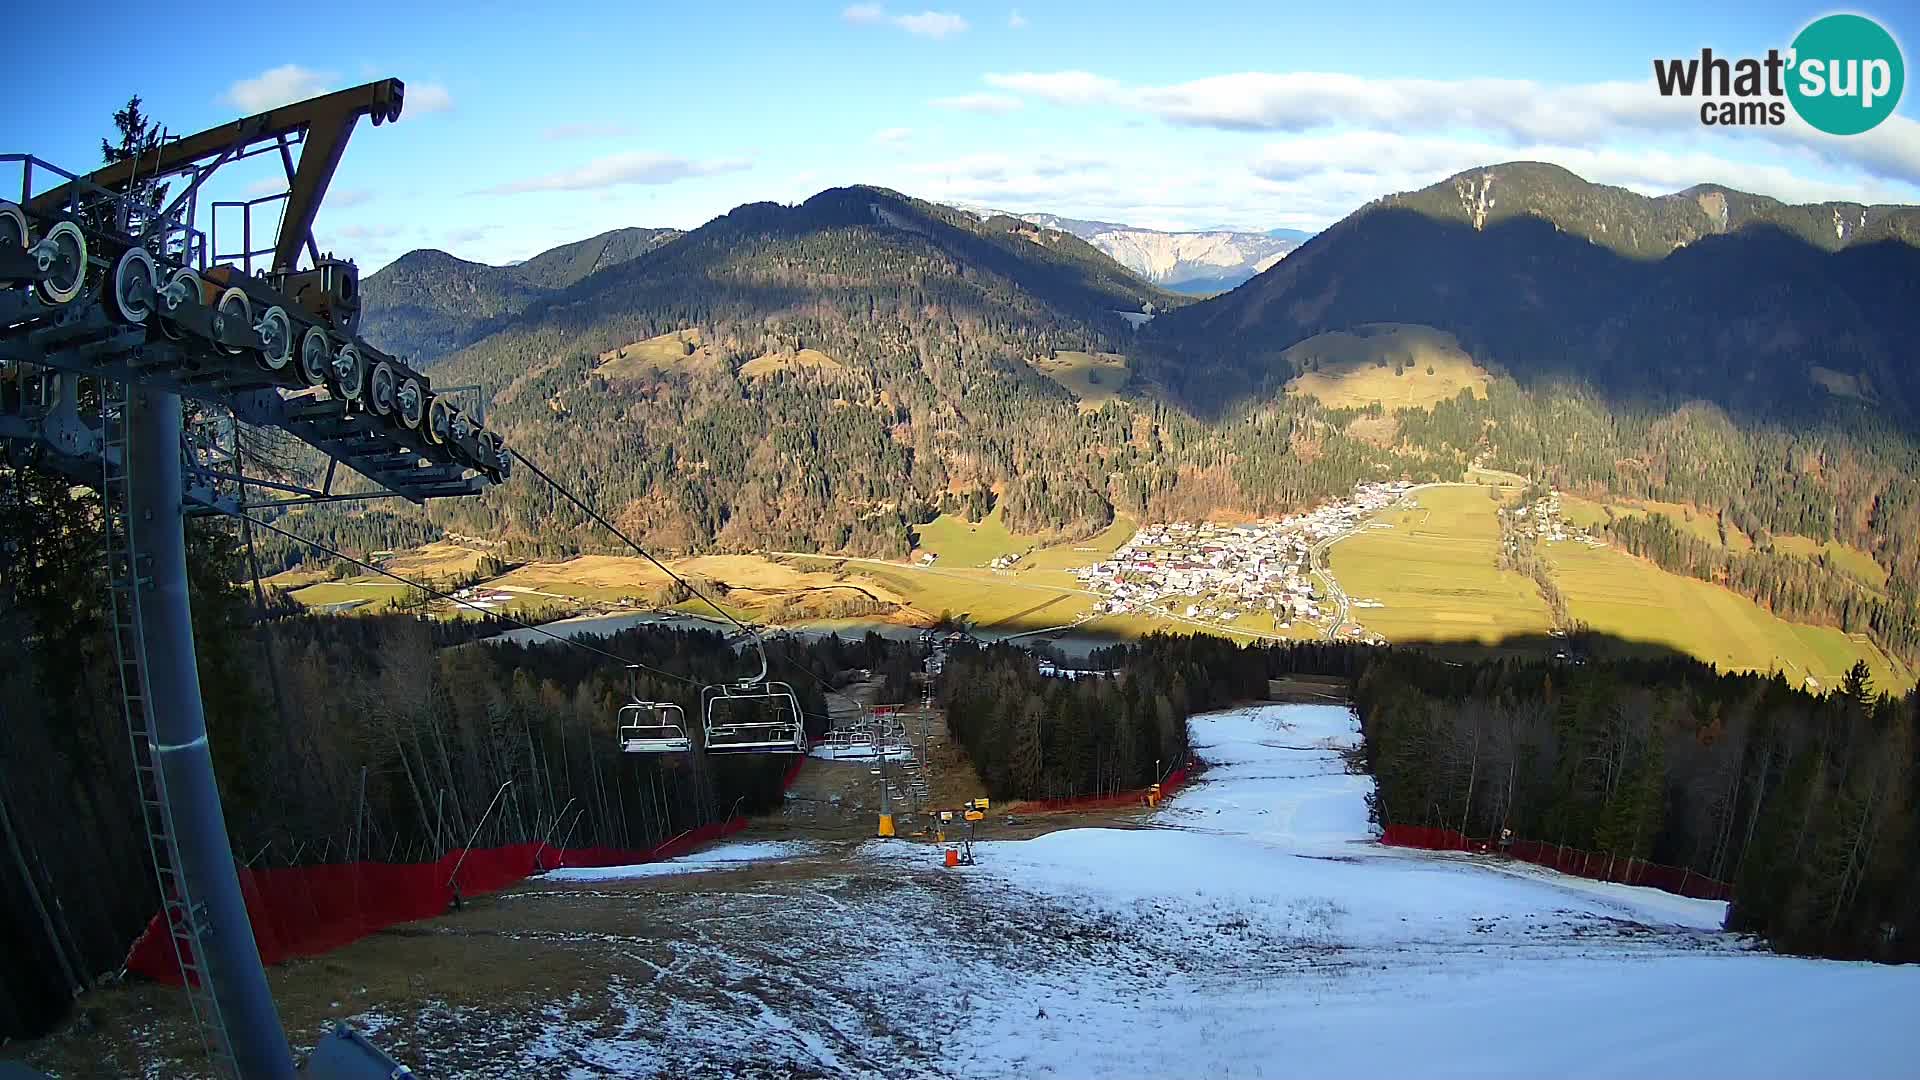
{"points": [[1349, 374], [1848, 560], [1706, 525], [375, 590], [1083, 552], [435, 562], [1629, 598], [1002, 601], [678, 348], [1091, 378], [1701, 524], [960, 542], [1434, 570], [762, 366]]}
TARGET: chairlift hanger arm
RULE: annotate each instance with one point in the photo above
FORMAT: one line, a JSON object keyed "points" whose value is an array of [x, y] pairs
{"points": [[325, 123]]}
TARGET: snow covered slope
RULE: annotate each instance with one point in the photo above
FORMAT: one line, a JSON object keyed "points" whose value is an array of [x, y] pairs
{"points": [[1304, 949], [1252, 928]]}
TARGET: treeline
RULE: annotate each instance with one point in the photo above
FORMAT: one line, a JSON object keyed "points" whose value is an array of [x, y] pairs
{"points": [[1520, 553], [334, 738], [1804, 590], [1032, 736], [1805, 803]]}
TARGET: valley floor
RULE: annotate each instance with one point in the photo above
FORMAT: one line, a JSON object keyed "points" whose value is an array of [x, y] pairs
{"points": [[1250, 928]]}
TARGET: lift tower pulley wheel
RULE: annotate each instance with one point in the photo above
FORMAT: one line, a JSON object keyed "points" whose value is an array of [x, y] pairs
{"points": [[97, 284]]}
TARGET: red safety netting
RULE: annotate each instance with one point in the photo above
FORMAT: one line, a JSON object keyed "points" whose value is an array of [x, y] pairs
{"points": [[1597, 865], [1116, 801], [309, 910]]}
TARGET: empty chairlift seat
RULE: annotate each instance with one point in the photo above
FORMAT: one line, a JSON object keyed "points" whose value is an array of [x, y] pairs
{"points": [[653, 727], [756, 718]]}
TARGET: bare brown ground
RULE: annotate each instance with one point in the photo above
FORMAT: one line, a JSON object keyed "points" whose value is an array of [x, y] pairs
{"points": [[448, 991]]}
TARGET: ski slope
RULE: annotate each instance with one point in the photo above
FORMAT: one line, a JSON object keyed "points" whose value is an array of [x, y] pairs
{"points": [[731, 856], [1317, 953], [1252, 929]]}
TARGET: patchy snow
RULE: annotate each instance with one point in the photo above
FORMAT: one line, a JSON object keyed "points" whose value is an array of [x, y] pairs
{"points": [[860, 751], [724, 857], [1302, 948], [1251, 929]]}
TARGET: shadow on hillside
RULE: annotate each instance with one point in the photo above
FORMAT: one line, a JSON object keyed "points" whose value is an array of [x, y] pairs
{"points": [[676, 283], [1738, 319], [1576, 651]]}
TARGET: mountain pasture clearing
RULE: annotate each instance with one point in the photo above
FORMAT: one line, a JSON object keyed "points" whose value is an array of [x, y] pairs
{"points": [[761, 367], [1617, 594], [663, 352], [1092, 378], [1352, 370], [1848, 560], [1700, 524]]}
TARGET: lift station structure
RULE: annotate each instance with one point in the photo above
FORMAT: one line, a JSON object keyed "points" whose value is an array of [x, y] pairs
{"points": [[115, 307]]}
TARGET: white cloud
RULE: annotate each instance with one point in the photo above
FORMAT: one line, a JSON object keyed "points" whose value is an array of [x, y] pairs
{"points": [[342, 198], [1016, 21], [616, 170], [276, 87], [1061, 87], [602, 130], [980, 103], [933, 24], [892, 136], [472, 235], [1509, 113], [428, 98]]}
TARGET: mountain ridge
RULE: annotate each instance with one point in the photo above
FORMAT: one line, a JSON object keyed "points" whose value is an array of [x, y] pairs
{"points": [[1192, 261], [1765, 310], [428, 302]]}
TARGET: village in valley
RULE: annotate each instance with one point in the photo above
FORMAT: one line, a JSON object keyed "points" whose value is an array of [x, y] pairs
{"points": [[1217, 573]]}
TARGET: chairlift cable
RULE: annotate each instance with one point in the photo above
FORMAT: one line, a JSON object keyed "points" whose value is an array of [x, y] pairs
{"points": [[758, 644]]}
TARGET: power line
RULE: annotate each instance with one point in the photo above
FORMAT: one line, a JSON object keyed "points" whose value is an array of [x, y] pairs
{"points": [[363, 564]]}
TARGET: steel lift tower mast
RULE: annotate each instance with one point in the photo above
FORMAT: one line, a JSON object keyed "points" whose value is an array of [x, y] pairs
{"points": [[112, 310]]}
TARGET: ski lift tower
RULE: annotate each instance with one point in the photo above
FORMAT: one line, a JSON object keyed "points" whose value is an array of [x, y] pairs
{"points": [[112, 311]]}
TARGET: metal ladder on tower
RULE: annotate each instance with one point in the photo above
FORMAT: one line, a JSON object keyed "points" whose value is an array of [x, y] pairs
{"points": [[127, 576]]}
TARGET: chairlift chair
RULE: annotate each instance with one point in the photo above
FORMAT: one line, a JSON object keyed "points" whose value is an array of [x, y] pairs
{"points": [[653, 727], [754, 717]]}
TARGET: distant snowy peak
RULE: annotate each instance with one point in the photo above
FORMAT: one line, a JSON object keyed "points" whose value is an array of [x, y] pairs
{"points": [[1200, 262], [1192, 262]]}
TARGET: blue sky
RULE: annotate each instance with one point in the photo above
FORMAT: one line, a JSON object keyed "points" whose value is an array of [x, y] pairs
{"points": [[528, 127]]}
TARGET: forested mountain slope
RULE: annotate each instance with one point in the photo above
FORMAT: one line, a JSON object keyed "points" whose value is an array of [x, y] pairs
{"points": [[557, 268], [813, 376], [428, 303], [1764, 308], [825, 376]]}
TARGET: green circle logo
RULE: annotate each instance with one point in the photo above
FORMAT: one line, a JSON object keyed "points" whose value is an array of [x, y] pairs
{"points": [[1846, 74]]}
